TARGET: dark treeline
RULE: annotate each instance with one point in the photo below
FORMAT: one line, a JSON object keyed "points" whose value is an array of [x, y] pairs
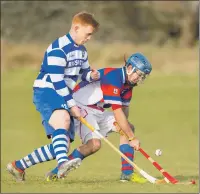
{"points": [[136, 21]]}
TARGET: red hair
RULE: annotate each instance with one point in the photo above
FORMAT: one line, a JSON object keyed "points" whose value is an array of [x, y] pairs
{"points": [[85, 18]]}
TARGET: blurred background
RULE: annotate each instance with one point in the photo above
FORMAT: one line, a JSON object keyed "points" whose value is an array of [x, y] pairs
{"points": [[166, 31], [165, 110]]}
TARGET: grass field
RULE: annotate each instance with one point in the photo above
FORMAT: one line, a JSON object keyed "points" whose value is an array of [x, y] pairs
{"points": [[164, 111]]}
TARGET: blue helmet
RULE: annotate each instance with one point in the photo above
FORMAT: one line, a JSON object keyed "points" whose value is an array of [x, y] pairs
{"points": [[139, 61]]}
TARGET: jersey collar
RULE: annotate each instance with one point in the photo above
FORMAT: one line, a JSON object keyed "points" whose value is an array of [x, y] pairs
{"points": [[71, 40]]}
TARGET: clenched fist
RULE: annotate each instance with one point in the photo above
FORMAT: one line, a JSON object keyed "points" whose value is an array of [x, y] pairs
{"points": [[135, 143], [75, 112], [95, 75]]}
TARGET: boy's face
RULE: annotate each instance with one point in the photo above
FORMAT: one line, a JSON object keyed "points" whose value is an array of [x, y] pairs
{"points": [[135, 77], [83, 33]]}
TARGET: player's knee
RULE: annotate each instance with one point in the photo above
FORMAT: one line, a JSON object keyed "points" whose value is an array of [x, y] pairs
{"points": [[95, 145], [60, 119]]}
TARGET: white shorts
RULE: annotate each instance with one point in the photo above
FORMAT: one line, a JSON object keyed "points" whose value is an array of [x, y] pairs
{"points": [[101, 120]]}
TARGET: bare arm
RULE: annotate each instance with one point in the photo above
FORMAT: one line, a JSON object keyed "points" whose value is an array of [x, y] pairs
{"points": [[123, 123], [126, 111], [121, 118]]}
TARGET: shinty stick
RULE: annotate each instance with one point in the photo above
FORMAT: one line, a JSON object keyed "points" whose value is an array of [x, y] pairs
{"points": [[168, 178]]}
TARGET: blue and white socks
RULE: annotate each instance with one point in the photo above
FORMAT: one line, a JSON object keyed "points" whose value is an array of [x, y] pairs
{"points": [[42, 154], [57, 150], [60, 145]]}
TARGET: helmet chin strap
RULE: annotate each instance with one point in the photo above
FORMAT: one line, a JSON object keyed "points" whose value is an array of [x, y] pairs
{"points": [[129, 73], [128, 82]]}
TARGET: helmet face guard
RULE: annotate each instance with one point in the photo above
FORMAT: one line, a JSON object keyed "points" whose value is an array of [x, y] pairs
{"points": [[140, 65], [142, 75]]}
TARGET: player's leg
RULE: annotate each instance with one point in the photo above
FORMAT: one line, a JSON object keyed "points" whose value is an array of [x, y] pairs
{"points": [[56, 112], [39, 155], [90, 142], [82, 152], [47, 103], [17, 168], [127, 150], [127, 172]]}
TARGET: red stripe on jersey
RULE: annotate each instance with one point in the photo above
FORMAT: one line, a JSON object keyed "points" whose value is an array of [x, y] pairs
{"points": [[96, 107], [107, 70], [102, 100], [110, 90], [126, 86], [116, 106], [128, 95]]}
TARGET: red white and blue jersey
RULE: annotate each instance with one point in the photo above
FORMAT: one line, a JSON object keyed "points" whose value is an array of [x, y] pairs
{"points": [[110, 90]]}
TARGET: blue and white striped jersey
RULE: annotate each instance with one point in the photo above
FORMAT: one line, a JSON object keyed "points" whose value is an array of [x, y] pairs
{"points": [[63, 64]]}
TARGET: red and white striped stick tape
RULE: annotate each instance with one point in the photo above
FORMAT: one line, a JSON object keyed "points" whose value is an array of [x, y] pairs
{"points": [[168, 178]]}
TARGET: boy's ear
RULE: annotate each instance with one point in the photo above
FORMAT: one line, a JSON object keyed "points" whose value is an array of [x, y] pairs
{"points": [[76, 27], [129, 67]]}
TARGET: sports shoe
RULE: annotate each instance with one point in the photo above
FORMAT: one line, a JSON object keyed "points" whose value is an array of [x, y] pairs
{"points": [[50, 176], [67, 166], [134, 177], [18, 174]]}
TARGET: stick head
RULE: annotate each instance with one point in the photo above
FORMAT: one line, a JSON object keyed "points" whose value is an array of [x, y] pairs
{"points": [[192, 182]]}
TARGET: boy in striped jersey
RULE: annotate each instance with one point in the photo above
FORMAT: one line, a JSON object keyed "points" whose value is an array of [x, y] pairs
{"points": [[65, 60], [114, 89]]}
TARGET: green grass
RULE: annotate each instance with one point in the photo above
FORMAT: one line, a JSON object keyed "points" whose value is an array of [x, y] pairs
{"points": [[164, 111]]}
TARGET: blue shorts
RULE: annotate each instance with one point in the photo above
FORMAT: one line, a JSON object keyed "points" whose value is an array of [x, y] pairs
{"points": [[46, 101]]}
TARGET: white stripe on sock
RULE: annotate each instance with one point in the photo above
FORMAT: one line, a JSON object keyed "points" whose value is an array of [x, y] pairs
{"points": [[41, 155], [59, 143], [48, 152], [60, 149], [59, 136], [35, 157], [61, 156], [27, 160], [24, 166], [62, 160]]}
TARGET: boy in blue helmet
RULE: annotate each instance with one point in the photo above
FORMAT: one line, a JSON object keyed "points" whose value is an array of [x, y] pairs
{"points": [[113, 89]]}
